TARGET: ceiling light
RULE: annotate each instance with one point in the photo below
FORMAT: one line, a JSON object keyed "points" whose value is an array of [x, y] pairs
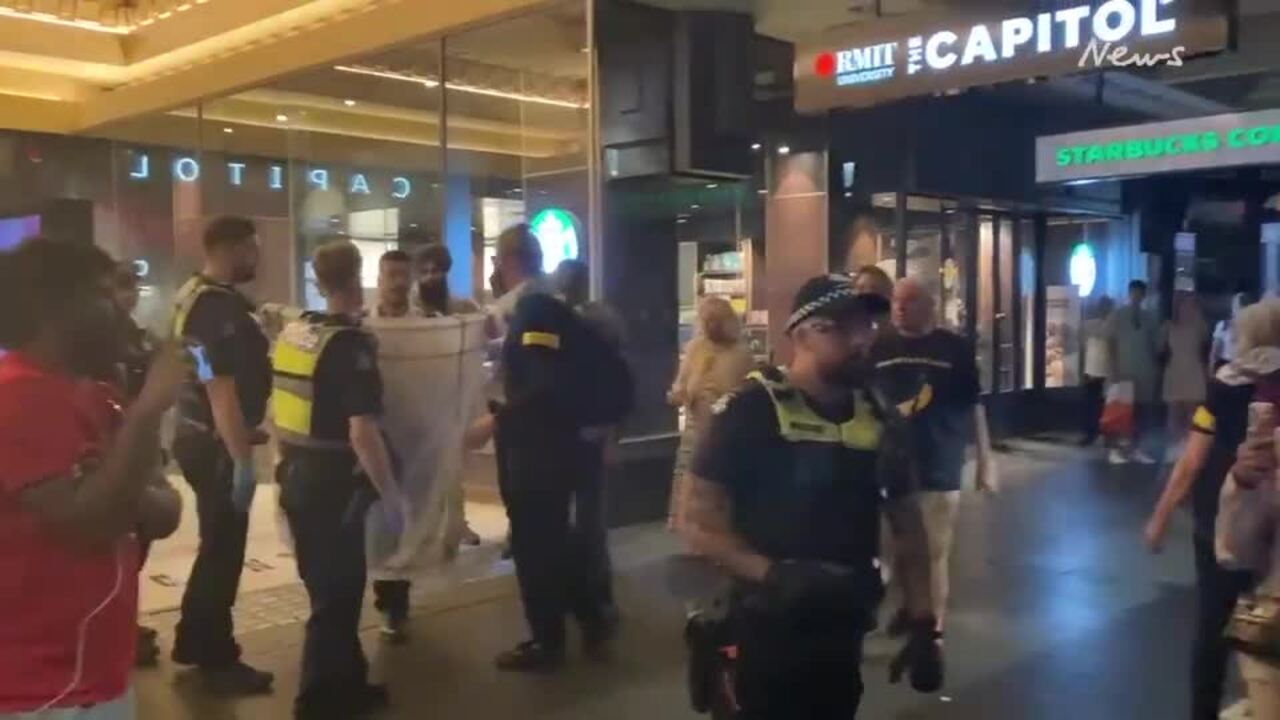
{"points": [[784, 150], [183, 7], [762, 191], [712, 186], [165, 14], [584, 50], [227, 130], [349, 103], [681, 221], [695, 207], [282, 118], [432, 82], [388, 75], [755, 146]]}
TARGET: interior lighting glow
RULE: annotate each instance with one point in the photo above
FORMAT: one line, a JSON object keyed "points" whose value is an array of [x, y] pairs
{"points": [[460, 87], [1083, 269]]}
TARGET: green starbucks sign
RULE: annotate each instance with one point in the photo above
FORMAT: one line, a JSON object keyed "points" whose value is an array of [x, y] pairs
{"points": [[1209, 142]]}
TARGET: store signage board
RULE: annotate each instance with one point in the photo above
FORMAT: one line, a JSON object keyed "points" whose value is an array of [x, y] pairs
{"points": [[1209, 142], [187, 169], [925, 53]]}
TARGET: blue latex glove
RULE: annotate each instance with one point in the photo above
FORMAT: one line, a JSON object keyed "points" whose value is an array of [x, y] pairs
{"points": [[243, 486]]}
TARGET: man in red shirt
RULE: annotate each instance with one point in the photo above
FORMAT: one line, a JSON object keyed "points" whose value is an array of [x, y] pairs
{"points": [[75, 486]]}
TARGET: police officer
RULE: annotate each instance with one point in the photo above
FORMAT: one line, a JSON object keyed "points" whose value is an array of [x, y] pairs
{"points": [[213, 443], [787, 493], [326, 400], [539, 448]]}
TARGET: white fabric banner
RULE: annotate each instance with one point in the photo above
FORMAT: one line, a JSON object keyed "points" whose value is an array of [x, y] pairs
{"points": [[433, 388]]}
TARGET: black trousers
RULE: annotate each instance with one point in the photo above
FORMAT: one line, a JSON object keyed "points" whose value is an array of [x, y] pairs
{"points": [[205, 634], [539, 481], [1217, 591], [1094, 399], [589, 533], [787, 670], [325, 503]]}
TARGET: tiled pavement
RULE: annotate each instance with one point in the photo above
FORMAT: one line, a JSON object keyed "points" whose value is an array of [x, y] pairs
{"points": [[1057, 612]]}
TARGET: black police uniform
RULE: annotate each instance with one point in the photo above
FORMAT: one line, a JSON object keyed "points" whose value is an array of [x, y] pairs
{"points": [[218, 317], [325, 374], [804, 486], [543, 459]]}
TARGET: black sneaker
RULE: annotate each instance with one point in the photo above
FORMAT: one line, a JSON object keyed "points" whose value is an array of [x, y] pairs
{"points": [[530, 656], [237, 679]]}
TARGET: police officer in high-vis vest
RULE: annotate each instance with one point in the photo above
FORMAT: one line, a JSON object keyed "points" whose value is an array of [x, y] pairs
{"points": [[325, 403], [217, 423], [787, 493]]}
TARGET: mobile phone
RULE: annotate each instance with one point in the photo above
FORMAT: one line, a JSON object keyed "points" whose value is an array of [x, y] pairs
{"points": [[204, 371]]}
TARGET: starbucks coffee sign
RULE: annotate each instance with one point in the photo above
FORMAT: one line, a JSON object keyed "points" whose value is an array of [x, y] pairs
{"points": [[1216, 141], [887, 59]]}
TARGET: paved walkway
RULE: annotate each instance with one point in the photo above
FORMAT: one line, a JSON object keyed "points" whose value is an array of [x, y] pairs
{"points": [[1057, 612]]}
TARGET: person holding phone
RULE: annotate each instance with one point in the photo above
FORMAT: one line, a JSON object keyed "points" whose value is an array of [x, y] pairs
{"points": [[78, 489], [217, 425], [326, 403]]}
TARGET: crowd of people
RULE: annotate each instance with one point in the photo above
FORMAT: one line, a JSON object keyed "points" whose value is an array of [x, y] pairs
{"points": [[813, 486]]}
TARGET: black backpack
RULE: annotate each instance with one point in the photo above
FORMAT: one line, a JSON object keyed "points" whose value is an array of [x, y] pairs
{"points": [[608, 394]]}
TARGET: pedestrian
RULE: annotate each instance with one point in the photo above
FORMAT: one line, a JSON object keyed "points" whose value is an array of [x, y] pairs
{"points": [[1097, 367], [1185, 375], [715, 362], [139, 348], [930, 374], [589, 537], [1222, 349], [1248, 538], [432, 265], [77, 486], [1218, 428], [1133, 340], [429, 286], [326, 403], [395, 283], [786, 497], [217, 426], [872, 279], [547, 378]]}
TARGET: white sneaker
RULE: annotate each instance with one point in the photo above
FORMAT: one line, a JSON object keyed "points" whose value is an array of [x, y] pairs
{"points": [[1142, 458], [1117, 458]]}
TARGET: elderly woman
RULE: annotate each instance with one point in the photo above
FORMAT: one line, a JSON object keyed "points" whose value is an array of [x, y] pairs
{"points": [[1218, 428], [715, 362]]}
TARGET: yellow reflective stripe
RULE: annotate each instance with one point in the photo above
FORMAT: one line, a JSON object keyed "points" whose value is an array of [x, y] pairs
{"points": [[294, 360], [797, 422], [864, 431], [1204, 421], [290, 412], [540, 339]]}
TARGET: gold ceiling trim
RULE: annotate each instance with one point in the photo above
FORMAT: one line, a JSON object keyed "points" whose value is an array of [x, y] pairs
{"points": [[431, 82], [120, 17]]}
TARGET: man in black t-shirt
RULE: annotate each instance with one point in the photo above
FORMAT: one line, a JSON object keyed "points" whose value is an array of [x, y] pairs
{"points": [[786, 495], [931, 375], [217, 426], [1217, 429]]}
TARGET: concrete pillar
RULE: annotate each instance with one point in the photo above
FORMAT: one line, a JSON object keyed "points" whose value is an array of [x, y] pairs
{"points": [[795, 236]]}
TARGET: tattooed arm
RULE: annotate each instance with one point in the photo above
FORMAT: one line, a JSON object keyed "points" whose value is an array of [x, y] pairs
{"points": [[708, 532]]}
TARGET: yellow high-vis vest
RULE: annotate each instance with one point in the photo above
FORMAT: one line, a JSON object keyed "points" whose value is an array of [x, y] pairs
{"points": [[800, 424], [293, 364], [185, 301]]}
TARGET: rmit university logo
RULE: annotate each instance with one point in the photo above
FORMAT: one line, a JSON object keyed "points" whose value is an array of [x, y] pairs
{"points": [[859, 66]]}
